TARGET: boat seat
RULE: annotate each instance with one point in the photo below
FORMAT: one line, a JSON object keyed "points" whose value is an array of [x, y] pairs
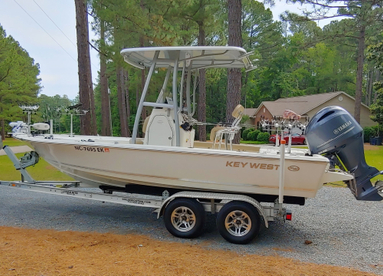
{"points": [[145, 124], [213, 132], [229, 132]]}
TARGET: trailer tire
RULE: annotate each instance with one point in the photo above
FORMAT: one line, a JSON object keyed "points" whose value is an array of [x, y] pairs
{"points": [[238, 222], [185, 218]]}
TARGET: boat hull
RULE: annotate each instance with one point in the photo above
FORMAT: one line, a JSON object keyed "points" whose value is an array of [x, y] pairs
{"points": [[120, 164]]}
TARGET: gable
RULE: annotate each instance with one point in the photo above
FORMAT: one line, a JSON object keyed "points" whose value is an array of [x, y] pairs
{"points": [[309, 105]]}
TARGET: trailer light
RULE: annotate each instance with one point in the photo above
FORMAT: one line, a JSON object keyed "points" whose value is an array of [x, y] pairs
{"points": [[289, 216]]}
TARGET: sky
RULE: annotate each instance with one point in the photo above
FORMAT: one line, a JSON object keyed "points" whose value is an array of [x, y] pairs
{"points": [[46, 29]]}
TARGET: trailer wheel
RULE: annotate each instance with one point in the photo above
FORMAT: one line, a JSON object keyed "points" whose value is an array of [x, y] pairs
{"points": [[185, 218], [238, 222], [379, 186]]}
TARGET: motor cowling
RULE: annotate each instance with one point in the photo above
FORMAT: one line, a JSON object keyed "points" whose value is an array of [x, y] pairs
{"points": [[334, 133]]}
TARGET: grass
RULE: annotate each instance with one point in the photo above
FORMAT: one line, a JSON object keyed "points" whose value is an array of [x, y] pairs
{"points": [[253, 142], [13, 142], [374, 158], [41, 171]]}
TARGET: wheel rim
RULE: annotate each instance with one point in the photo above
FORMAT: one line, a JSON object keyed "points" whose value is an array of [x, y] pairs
{"points": [[183, 219], [238, 223]]}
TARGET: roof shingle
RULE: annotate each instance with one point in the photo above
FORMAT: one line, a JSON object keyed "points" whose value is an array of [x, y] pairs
{"points": [[301, 104]]}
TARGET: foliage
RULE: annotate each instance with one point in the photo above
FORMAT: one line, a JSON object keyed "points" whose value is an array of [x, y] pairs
{"points": [[368, 133], [252, 135], [246, 132], [263, 137], [19, 83], [362, 23], [375, 54], [292, 58], [377, 106]]}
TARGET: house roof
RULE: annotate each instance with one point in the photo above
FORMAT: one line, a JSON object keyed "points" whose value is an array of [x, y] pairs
{"points": [[250, 112], [308, 102], [302, 104]]}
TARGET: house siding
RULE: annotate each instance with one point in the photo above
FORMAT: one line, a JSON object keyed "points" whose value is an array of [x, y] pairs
{"points": [[348, 104], [309, 106], [263, 113]]}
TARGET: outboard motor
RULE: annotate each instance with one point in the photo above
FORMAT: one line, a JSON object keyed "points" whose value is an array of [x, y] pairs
{"points": [[334, 133]]}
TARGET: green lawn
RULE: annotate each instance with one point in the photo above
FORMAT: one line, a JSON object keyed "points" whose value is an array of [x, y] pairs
{"points": [[374, 158], [254, 142], [13, 142], [41, 171]]}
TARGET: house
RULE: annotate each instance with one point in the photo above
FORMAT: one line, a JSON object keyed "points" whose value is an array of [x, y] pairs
{"points": [[307, 106]]}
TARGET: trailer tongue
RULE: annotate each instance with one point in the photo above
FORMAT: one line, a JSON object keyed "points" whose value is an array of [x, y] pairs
{"points": [[334, 133]]}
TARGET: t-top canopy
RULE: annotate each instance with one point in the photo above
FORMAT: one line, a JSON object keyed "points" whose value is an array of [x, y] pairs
{"points": [[197, 57]]}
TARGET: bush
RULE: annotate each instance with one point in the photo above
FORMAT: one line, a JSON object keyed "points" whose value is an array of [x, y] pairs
{"points": [[369, 132], [245, 133], [252, 135], [263, 137]]}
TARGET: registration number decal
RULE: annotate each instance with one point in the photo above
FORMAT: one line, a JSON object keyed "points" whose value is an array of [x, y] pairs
{"points": [[91, 149]]}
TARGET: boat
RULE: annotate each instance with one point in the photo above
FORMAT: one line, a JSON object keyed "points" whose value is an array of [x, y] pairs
{"points": [[169, 159]]}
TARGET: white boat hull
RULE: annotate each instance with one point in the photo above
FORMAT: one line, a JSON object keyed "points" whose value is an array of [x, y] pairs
{"points": [[115, 162]]}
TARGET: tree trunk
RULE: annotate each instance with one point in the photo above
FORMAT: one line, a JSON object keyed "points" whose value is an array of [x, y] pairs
{"points": [[201, 88], [378, 78], [127, 99], [234, 75], [92, 110], [359, 74], [143, 113], [105, 101], [121, 102], [369, 86], [84, 72], [2, 129]]}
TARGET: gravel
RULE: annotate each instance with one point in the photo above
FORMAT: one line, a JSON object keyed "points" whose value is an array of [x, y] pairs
{"points": [[333, 228]]}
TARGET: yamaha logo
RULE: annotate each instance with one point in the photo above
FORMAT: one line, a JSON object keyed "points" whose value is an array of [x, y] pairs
{"points": [[293, 168], [342, 127]]}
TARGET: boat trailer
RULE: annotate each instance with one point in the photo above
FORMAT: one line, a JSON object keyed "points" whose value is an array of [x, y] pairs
{"points": [[239, 216]]}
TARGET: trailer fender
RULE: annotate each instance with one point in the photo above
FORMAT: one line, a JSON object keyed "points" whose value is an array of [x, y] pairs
{"points": [[226, 197]]}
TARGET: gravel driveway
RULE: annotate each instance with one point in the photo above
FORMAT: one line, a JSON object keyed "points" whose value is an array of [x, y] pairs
{"points": [[342, 230]]}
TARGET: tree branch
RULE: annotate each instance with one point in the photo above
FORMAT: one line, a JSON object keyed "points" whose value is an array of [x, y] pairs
{"points": [[324, 5], [6, 75], [332, 16]]}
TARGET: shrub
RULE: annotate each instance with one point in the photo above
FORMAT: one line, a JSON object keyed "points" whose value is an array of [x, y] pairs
{"points": [[246, 132], [252, 135], [369, 132], [263, 137]]}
